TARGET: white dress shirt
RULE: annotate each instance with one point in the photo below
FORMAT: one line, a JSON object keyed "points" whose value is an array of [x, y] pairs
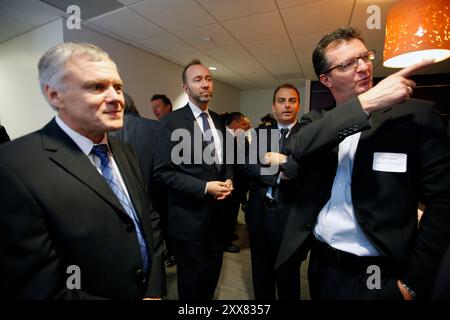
{"points": [[336, 224]]}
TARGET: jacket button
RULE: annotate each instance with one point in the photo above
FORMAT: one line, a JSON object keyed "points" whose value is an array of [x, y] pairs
{"points": [[308, 227], [130, 227], [140, 276]]}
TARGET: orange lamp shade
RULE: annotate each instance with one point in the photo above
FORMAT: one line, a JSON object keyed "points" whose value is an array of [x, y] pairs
{"points": [[417, 30]]}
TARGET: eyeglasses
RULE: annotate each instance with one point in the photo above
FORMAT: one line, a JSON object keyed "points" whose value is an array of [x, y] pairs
{"points": [[353, 62]]}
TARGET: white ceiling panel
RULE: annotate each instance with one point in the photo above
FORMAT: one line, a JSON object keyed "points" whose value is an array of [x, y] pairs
{"points": [[128, 24], [227, 75], [174, 15], [317, 16], [229, 53], [292, 3], [91, 26], [307, 42], [258, 27], [307, 66], [272, 47], [128, 2], [232, 9], [245, 66], [263, 79], [207, 37], [167, 45], [185, 58], [34, 13], [11, 27], [282, 64]]}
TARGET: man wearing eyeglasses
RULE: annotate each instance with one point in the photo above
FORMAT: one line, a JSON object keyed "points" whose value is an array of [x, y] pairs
{"points": [[366, 165]]}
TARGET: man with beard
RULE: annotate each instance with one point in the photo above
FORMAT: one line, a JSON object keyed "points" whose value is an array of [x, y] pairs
{"points": [[196, 186]]}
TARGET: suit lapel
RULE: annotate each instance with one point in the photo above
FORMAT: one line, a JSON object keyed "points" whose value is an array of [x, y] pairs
{"points": [[126, 171], [364, 152], [64, 152]]}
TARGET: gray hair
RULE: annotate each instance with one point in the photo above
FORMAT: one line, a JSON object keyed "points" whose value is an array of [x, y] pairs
{"points": [[52, 64]]}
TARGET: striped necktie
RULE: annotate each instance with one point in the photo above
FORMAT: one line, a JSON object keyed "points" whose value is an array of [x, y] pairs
{"points": [[101, 151]]}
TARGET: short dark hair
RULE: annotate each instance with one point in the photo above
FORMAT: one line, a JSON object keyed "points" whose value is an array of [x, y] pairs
{"points": [[320, 62], [192, 63], [285, 86], [165, 99], [233, 116], [130, 106]]}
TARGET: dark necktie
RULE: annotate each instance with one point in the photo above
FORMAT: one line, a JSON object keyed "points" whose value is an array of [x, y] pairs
{"points": [[101, 151], [284, 132], [207, 133], [273, 191]]}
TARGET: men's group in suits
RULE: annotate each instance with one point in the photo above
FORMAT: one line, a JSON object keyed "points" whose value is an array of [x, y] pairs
{"points": [[77, 220]]}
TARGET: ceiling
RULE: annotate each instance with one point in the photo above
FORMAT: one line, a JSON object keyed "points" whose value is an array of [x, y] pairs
{"points": [[254, 44]]}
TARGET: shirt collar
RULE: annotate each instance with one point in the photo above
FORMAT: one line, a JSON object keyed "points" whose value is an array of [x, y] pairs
{"points": [[196, 110], [289, 126], [85, 144]]}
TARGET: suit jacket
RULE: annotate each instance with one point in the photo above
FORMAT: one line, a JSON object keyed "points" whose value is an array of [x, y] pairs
{"points": [[192, 213], [58, 211], [385, 203], [287, 189], [141, 134]]}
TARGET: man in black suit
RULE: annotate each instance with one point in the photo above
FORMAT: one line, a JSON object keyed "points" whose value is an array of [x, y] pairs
{"points": [[141, 134], [270, 200], [76, 222], [365, 166], [190, 162]]}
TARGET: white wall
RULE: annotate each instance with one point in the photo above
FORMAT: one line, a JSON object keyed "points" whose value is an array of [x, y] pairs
{"points": [[145, 74], [257, 103], [23, 108]]}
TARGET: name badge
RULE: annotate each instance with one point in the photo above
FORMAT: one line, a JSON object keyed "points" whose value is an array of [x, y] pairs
{"points": [[389, 162]]}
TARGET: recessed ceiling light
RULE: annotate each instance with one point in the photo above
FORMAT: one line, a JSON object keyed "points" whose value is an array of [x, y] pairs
{"points": [[212, 68]]}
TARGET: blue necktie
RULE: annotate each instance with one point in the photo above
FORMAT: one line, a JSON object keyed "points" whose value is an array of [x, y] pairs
{"points": [[207, 133], [101, 151]]}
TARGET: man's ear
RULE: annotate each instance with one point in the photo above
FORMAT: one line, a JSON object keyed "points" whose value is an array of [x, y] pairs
{"points": [[325, 80], [273, 108], [53, 96]]}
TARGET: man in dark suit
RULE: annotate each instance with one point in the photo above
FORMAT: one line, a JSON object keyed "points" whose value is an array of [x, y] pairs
{"points": [[76, 222], [190, 162], [270, 200], [366, 164], [141, 134]]}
